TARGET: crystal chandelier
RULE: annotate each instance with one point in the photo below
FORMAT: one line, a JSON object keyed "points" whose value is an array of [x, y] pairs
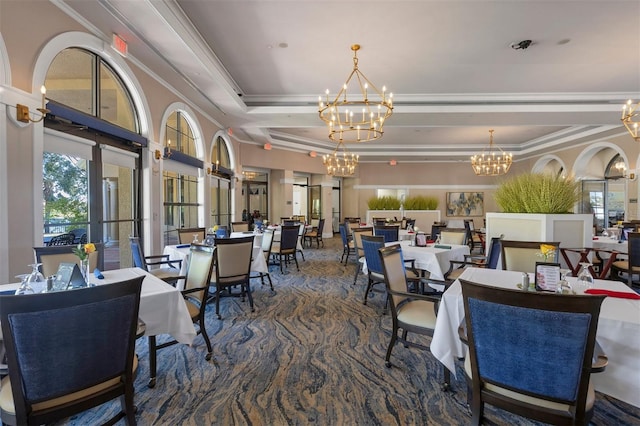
{"points": [[340, 162], [628, 115], [492, 161], [354, 117]]}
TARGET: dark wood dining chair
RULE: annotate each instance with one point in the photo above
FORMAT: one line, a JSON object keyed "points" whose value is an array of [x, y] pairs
{"points": [[70, 351], [531, 353]]}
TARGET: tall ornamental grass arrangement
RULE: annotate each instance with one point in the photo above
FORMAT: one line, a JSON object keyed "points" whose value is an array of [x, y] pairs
{"points": [[537, 193], [386, 202], [420, 202]]}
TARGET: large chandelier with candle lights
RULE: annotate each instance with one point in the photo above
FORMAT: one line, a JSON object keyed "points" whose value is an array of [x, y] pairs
{"points": [[359, 111], [629, 114], [341, 162], [492, 161]]}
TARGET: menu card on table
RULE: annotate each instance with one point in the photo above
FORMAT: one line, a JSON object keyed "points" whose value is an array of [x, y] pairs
{"points": [[547, 276]]}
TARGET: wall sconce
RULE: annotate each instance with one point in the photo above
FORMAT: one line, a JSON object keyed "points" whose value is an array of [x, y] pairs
{"points": [[167, 149], [22, 111], [267, 146], [392, 163], [217, 165], [622, 168], [208, 170], [157, 154], [313, 154]]}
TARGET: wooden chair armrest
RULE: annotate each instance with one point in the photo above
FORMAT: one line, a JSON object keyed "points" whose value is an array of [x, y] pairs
{"points": [[166, 262], [415, 296], [462, 334], [600, 363]]}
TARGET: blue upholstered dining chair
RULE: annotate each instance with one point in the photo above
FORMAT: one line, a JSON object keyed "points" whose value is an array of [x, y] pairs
{"points": [[389, 232], [158, 265], [69, 351], [375, 274], [531, 353], [347, 244]]}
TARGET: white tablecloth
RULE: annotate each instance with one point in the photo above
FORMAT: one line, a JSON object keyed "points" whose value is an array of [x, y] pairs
{"points": [[618, 332], [607, 243], [179, 252], [434, 260], [162, 307]]}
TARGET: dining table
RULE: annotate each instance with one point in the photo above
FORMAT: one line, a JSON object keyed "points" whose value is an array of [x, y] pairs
{"points": [[162, 307], [182, 251], [432, 258], [618, 334]]}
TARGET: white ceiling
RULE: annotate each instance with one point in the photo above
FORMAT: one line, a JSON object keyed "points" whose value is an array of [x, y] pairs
{"points": [[449, 64]]}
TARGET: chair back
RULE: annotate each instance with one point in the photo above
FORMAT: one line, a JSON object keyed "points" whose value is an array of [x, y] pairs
{"points": [[494, 253], [289, 238], [233, 259], [267, 243], [61, 343], [52, 256], [320, 227], [522, 255], [343, 235], [539, 345], [199, 271], [239, 226], [435, 230], [357, 239], [139, 260], [633, 251], [62, 240], [351, 224], [185, 235], [457, 236], [370, 246], [79, 235], [393, 269], [389, 232], [289, 222]]}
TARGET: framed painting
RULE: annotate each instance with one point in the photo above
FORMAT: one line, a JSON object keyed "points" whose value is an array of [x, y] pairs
{"points": [[465, 203]]}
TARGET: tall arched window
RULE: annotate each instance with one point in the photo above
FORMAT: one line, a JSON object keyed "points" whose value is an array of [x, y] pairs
{"points": [[81, 80], [221, 183], [91, 178], [181, 177]]}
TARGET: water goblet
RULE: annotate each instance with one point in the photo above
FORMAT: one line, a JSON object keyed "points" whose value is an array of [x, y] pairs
{"points": [[585, 279], [195, 239], [24, 288]]}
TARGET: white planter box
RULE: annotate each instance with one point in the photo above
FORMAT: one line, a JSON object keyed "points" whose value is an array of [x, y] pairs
{"points": [[571, 230]]}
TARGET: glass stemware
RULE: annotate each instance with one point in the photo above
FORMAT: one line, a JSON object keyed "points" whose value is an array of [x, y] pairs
{"points": [[24, 288], [195, 239], [36, 277], [585, 279], [563, 285]]}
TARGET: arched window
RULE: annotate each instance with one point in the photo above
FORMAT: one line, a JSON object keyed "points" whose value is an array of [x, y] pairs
{"points": [[220, 183], [91, 178], [181, 191], [81, 80]]}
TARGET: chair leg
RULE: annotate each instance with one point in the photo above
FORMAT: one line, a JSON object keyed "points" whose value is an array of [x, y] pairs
{"points": [[247, 285], [394, 336], [152, 361], [355, 279], [205, 336], [218, 302], [128, 407], [295, 258]]}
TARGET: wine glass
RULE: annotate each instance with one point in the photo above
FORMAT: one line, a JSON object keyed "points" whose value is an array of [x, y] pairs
{"points": [[36, 277], [563, 285], [585, 279], [195, 239], [24, 288]]}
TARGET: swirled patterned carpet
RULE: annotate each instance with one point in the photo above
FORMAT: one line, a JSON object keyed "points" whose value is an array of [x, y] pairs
{"points": [[311, 353]]}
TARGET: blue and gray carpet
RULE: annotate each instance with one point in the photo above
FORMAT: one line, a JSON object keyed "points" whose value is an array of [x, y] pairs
{"points": [[311, 353]]}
